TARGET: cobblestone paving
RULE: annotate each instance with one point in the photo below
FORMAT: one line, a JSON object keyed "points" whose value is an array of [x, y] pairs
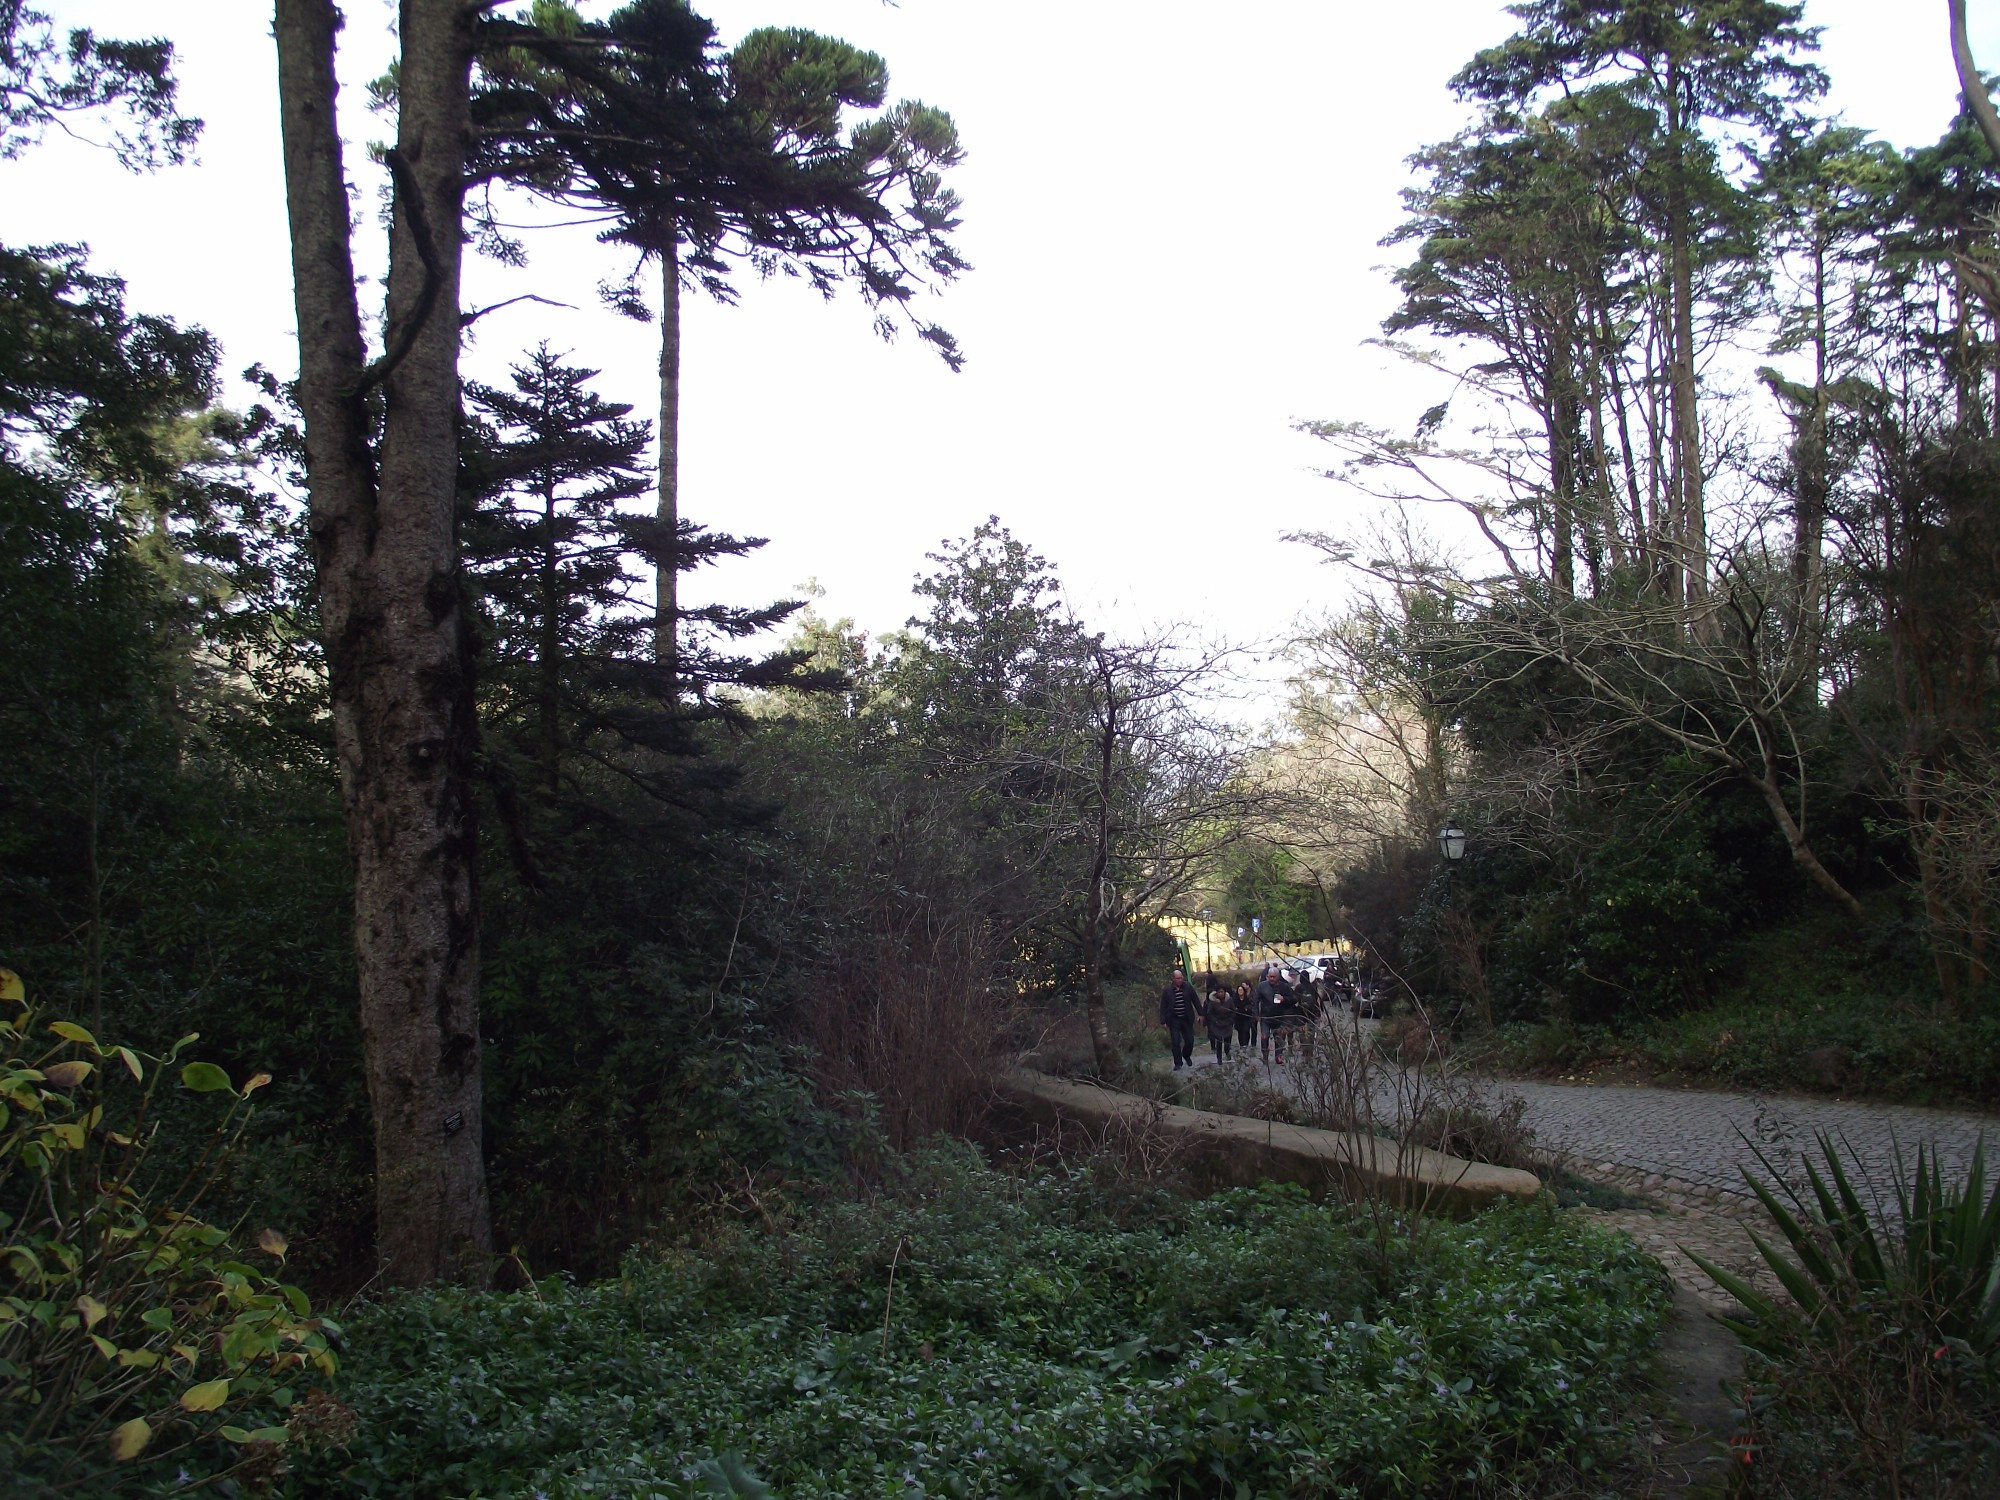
{"points": [[1702, 1137]]}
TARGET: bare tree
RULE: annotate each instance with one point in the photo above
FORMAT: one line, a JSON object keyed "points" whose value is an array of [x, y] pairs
{"points": [[1156, 792]]}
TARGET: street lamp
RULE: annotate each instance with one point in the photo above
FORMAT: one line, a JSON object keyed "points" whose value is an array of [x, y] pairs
{"points": [[1451, 843]]}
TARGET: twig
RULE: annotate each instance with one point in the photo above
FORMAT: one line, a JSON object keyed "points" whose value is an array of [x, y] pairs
{"points": [[470, 318], [889, 1304]]}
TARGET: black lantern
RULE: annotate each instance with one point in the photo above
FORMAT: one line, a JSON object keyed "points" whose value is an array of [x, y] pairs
{"points": [[1451, 843]]}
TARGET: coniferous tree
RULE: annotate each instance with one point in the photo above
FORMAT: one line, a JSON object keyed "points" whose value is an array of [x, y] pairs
{"points": [[545, 549], [691, 159]]}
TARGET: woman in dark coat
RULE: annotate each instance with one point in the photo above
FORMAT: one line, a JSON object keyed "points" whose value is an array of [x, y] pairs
{"points": [[1246, 1016], [1218, 1014]]}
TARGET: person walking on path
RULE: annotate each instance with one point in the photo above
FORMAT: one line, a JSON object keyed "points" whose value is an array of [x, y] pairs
{"points": [[1178, 1004], [1246, 1017], [1277, 1007], [1219, 1015]]}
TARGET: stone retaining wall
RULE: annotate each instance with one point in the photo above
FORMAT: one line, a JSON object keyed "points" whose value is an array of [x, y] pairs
{"points": [[1229, 1151]]}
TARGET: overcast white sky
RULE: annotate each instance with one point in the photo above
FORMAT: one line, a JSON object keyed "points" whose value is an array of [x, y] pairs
{"points": [[1173, 213]]}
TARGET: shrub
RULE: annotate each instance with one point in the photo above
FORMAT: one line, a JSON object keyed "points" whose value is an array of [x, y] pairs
{"points": [[978, 1333], [1881, 1375], [132, 1342]]}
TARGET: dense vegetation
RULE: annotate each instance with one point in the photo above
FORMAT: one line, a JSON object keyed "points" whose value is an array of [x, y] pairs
{"points": [[548, 911], [1045, 1334], [1699, 648]]}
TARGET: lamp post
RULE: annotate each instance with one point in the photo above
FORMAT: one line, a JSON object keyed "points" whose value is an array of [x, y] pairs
{"points": [[1451, 844]]}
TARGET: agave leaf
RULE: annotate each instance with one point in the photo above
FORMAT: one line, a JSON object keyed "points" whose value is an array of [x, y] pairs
{"points": [[1829, 1209], [1855, 1231], [1801, 1287], [1976, 1226], [1754, 1302], [1803, 1245]]}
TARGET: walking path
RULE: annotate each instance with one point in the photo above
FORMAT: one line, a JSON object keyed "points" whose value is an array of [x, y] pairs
{"points": [[1682, 1151], [1702, 1137]]}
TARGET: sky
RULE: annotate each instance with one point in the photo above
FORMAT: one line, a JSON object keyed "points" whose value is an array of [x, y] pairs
{"points": [[1174, 215]]}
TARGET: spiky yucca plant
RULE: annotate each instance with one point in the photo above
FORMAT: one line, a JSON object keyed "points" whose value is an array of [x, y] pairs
{"points": [[1944, 1264]]}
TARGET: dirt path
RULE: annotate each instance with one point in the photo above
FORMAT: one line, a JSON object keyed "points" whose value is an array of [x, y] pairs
{"points": [[1697, 1354]]}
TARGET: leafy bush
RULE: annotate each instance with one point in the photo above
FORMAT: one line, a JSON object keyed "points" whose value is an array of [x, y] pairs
{"points": [[1847, 1040], [979, 1333], [1882, 1372], [132, 1341]]}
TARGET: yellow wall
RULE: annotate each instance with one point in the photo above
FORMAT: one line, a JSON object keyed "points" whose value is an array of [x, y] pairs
{"points": [[1212, 945]]}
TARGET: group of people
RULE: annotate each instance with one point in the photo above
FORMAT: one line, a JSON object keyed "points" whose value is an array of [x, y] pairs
{"points": [[1271, 1013]]}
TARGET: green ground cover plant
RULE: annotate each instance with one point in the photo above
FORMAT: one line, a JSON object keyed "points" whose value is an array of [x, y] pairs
{"points": [[1038, 1341]]}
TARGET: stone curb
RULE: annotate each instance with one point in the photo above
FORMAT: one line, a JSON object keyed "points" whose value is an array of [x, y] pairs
{"points": [[1230, 1151]]}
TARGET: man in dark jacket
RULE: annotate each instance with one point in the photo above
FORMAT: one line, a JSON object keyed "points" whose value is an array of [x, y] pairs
{"points": [[1178, 1005]]}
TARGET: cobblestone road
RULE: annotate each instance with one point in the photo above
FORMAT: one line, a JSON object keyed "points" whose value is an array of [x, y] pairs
{"points": [[1701, 1136]]}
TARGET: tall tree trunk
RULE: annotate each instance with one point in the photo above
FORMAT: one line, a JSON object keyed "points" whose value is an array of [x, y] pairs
{"points": [[392, 610], [1691, 519], [1564, 421], [666, 588], [1813, 482], [1101, 1046], [1970, 81], [549, 666]]}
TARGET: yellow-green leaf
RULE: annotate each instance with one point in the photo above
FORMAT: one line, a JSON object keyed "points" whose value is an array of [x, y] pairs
{"points": [[129, 1439], [204, 1077], [67, 1075], [205, 1397], [93, 1311], [272, 1243], [236, 1434], [70, 1134], [256, 1083], [11, 987], [104, 1345], [69, 1031], [131, 1060]]}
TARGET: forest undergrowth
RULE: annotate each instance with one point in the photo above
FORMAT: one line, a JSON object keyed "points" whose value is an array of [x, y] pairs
{"points": [[972, 1330]]}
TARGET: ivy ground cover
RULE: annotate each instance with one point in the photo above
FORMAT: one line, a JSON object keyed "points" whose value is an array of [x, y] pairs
{"points": [[1044, 1337]]}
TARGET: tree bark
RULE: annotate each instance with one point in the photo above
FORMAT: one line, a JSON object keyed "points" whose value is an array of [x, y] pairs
{"points": [[1802, 853], [392, 612], [1691, 523], [666, 587], [549, 666], [1970, 81], [1101, 1044], [1564, 417]]}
